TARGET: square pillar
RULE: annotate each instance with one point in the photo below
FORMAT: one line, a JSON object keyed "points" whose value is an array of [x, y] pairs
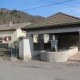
{"points": [[52, 37], [26, 47], [79, 39], [41, 41], [46, 38]]}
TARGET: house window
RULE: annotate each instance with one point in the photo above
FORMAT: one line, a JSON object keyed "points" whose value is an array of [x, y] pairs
{"points": [[8, 38], [1, 38]]}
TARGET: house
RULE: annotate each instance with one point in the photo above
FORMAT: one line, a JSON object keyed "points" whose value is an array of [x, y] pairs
{"points": [[62, 27], [11, 32]]}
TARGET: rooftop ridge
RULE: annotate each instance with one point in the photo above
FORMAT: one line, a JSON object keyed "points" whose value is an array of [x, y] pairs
{"points": [[68, 15]]}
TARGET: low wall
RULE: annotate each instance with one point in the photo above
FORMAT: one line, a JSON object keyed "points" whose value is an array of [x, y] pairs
{"points": [[72, 51], [58, 56]]}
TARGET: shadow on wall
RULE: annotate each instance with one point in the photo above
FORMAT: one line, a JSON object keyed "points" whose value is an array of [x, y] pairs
{"points": [[37, 46], [66, 41]]}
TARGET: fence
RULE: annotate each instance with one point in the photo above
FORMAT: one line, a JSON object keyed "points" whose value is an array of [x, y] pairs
{"points": [[5, 45], [14, 49]]}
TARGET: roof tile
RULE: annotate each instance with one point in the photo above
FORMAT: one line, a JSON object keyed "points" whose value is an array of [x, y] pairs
{"points": [[58, 18], [14, 26]]}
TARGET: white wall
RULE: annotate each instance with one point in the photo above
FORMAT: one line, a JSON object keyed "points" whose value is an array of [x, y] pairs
{"points": [[35, 37], [26, 48], [6, 33], [21, 49], [15, 34], [20, 33], [46, 38]]}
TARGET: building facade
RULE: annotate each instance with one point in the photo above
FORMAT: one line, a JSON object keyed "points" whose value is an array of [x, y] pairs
{"points": [[12, 32]]}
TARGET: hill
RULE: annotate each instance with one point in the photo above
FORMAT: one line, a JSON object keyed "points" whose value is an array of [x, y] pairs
{"points": [[16, 16]]}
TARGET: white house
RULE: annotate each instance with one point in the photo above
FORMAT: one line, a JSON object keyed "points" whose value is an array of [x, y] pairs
{"points": [[11, 32]]}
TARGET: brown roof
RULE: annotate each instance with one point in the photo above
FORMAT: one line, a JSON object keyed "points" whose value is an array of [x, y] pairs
{"points": [[13, 27], [54, 20]]}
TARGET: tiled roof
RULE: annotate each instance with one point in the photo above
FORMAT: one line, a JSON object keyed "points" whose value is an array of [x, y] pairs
{"points": [[56, 19], [13, 27]]}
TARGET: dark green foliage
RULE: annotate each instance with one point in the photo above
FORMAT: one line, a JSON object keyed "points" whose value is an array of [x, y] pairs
{"points": [[1, 13], [19, 16], [18, 21], [13, 22], [14, 11], [15, 15], [6, 12]]}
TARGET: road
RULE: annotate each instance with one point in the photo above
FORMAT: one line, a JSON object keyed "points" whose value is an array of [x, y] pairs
{"points": [[38, 70]]}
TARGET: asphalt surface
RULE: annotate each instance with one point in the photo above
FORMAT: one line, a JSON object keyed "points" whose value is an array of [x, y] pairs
{"points": [[38, 70]]}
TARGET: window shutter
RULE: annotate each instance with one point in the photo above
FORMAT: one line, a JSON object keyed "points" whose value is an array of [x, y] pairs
{"points": [[4, 38], [10, 38]]}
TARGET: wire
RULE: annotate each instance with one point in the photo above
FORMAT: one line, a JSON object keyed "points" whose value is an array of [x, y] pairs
{"points": [[48, 5], [71, 5], [64, 4]]}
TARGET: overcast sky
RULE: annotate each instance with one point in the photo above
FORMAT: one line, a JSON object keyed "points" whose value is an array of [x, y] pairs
{"points": [[71, 7]]}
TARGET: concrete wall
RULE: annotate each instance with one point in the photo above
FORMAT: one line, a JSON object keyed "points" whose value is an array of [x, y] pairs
{"points": [[72, 51], [21, 55], [20, 33], [58, 56], [26, 49]]}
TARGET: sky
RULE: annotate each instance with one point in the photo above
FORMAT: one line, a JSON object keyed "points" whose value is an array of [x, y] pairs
{"points": [[71, 7]]}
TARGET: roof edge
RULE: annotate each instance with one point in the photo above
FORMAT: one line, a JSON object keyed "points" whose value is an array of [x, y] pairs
{"points": [[69, 15], [47, 26]]}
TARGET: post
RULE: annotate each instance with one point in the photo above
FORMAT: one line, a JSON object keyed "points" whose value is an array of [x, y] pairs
{"points": [[26, 47], [41, 41], [11, 50], [46, 38], [79, 40], [51, 37]]}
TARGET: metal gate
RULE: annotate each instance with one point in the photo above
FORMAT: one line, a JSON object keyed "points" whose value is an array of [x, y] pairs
{"points": [[14, 50]]}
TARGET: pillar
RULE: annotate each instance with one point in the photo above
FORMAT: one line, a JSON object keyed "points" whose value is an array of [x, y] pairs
{"points": [[79, 39], [41, 41], [51, 37], [26, 47], [46, 38]]}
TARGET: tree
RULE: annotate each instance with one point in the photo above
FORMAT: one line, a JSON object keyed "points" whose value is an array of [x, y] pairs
{"points": [[1, 13], [19, 16], [13, 22], [18, 22]]}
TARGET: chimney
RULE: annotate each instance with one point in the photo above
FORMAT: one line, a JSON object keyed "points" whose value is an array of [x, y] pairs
{"points": [[10, 24]]}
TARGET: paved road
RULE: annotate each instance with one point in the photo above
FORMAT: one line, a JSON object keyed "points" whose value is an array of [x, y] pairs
{"points": [[38, 70]]}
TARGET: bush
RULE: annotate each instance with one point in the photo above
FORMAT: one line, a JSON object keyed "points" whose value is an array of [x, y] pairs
{"points": [[1, 13]]}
